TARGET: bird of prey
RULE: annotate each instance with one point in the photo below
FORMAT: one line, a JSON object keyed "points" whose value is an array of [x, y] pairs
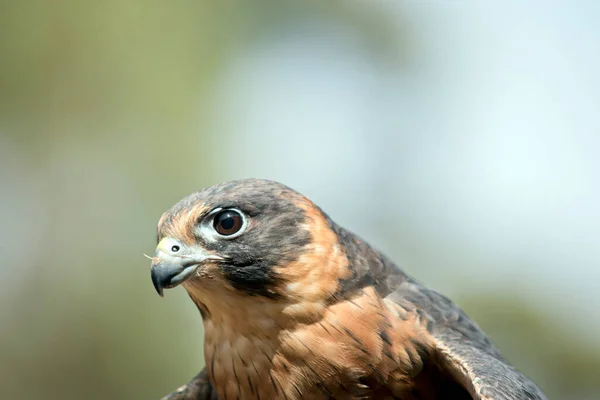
{"points": [[296, 307]]}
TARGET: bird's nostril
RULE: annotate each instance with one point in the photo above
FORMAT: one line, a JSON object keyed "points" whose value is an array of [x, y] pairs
{"points": [[175, 249]]}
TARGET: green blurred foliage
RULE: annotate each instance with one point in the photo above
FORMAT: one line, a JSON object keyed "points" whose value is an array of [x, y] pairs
{"points": [[104, 121]]}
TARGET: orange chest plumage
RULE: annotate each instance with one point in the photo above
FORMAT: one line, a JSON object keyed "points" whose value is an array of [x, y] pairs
{"points": [[356, 348]]}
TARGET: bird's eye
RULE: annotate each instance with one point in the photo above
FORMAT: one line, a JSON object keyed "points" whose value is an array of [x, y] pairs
{"points": [[228, 222]]}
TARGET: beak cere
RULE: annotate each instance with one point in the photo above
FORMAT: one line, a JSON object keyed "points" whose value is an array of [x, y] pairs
{"points": [[173, 263]]}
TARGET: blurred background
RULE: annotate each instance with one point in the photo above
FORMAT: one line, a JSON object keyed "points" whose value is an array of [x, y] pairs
{"points": [[461, 138]]}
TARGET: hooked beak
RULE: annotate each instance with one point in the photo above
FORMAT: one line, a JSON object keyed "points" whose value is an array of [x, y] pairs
{"points": [[173, 263]]}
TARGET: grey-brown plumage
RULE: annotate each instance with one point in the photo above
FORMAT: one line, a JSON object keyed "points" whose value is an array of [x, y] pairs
{"points": [[295, 306]]}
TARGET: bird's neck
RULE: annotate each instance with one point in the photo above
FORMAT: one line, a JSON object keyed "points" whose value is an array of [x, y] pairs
{"points": [[242, 348]]}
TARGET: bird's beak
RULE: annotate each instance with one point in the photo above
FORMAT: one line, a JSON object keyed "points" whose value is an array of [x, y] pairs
{"points": [[174, 262]]}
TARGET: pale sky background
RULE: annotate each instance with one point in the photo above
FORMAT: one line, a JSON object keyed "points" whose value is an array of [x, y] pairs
{"points": [[483, 147], [462, 138], [497, 160]]}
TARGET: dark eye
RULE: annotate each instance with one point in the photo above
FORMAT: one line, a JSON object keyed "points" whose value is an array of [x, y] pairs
{"points": [[228, 222]]}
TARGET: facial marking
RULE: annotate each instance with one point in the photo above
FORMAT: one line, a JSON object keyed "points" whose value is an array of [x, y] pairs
{"points": [[181, 223], [316, 274]]}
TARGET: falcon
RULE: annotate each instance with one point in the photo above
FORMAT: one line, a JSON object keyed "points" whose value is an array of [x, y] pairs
{"points": [[296, 307]]}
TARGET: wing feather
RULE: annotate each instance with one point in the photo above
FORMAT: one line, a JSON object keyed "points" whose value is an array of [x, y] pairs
{"points": [[462, 349]]}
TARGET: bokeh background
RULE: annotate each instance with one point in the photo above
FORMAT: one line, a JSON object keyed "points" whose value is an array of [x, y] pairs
{"points": [[461, 138]]}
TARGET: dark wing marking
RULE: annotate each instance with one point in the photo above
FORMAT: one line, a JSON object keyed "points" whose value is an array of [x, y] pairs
{"points": [[199, 388], [463, 350]]}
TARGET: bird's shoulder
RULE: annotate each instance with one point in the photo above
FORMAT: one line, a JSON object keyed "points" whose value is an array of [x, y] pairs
{"points": [[459, 344], [371, 267]]}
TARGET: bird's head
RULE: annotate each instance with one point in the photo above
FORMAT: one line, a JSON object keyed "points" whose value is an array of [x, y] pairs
{"points": [[246, 241]]}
